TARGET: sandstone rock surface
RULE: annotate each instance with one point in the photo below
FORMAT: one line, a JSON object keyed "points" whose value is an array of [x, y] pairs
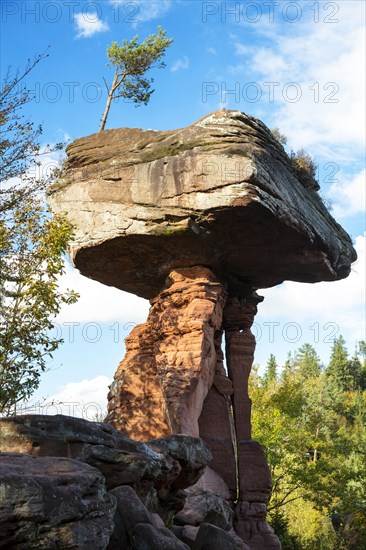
{"points": [[196, 220], [192, 454], [210, 537], [119, 458], [50, 502], [205, 507], [136, 528], [219, 193], [177, 350], [158, 470]]}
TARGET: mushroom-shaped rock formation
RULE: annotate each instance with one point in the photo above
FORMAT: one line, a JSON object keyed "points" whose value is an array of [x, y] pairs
{"points": [[196, 220], [220, 193]]}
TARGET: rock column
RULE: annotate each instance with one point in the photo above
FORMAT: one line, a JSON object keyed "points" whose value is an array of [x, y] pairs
{"points": [[171, 360], [254, 479], [240, 345], [216, 426], [173, 380]]}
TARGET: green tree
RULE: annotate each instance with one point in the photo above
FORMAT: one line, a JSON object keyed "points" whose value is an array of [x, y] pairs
{"points": [[20, 150], [362, 348], [131, 61], [307, 362], [31, 249], [357, 367], [270, 373], [338, 370], [279, 522], [31, 262], [288, 366], [314, 435], [276, 408]]}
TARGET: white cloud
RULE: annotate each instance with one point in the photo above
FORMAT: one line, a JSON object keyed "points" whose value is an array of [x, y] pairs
{"points": [[88, 24], [84, 399], [144, 10], [349, 197], [339, 303], [270, 63], [327, 63], [180, 64], [211, 51], [98, 302], [239, 47]]}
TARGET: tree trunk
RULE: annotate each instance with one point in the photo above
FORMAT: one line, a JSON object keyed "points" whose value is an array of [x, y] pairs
{"points": [[108, 105]]}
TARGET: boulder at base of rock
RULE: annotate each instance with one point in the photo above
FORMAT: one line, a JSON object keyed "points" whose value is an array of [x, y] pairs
{"points": [[186, 533], [48, 503], [192, 453], [211, 481], [120, 459], [136, 528], [205, 507], [210, 537], [176, 460]]}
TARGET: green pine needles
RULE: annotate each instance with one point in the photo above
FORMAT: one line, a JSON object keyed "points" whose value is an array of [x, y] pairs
{"points": [[132, 61]]}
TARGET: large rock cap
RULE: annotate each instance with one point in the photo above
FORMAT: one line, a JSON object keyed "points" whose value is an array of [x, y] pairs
{"points": [[220, 193]]}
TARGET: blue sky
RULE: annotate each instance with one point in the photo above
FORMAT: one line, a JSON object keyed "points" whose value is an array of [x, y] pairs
{"points": [[295, 65]]}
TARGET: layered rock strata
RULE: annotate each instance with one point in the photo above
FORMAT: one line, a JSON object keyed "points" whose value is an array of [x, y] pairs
{"points": [[53, 502], [55, 472], [196, 220], [186, 390], [221, 193], [158, 470], [170, 360]]}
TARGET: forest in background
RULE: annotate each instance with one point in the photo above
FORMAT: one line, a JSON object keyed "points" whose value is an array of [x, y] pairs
{"points": [[311, 421]]}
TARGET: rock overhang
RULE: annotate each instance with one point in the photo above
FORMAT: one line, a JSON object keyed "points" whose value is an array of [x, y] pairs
{"points": [[219, 193]]}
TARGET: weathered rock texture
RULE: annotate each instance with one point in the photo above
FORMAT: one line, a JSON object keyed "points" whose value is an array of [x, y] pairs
{"points": [[209, 536], [220, 193], [197, 220], [52, 502], [177, 352], [205, 506], [158, 470], [48, 502], [137, 528]]}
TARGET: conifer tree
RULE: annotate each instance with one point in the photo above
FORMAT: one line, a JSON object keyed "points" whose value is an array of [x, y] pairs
{"points": [[338, 370], [357, 367], [312, 426], [307, 362], [132, 61], [288, 366], [271, 370]]}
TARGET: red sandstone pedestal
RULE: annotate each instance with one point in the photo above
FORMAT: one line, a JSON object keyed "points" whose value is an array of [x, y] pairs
{"points": [[173, 380]]}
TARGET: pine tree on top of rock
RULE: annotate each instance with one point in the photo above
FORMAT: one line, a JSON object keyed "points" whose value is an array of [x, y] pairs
{"points": [[131, 61]]}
